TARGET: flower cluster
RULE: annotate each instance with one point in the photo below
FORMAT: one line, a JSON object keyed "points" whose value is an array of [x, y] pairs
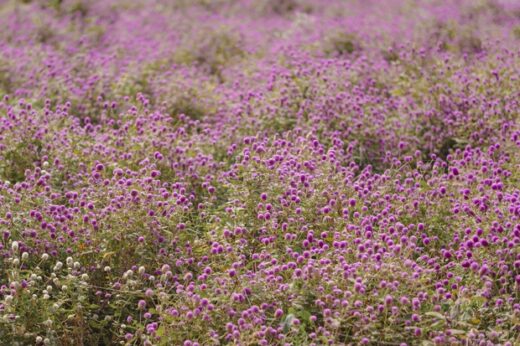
{"points": [[271, 172]]}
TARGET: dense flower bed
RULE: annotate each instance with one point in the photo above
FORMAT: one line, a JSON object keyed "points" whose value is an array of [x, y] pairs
{"points": [[259, 172]]}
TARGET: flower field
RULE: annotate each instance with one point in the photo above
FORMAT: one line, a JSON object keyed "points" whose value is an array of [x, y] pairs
{"points": [[260, 172]]}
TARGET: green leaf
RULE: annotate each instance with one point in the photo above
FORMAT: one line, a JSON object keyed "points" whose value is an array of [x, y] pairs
{"points": [[160, 331], [438, 325], [435, 314], [305, 315], [286, 325], [457, 332]]}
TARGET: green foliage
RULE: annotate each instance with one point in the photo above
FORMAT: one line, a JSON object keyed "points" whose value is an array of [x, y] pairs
{"points": [[213, 50], [342, 43], [19, 159], [6, 80], [189, 105], [516, 32]]}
